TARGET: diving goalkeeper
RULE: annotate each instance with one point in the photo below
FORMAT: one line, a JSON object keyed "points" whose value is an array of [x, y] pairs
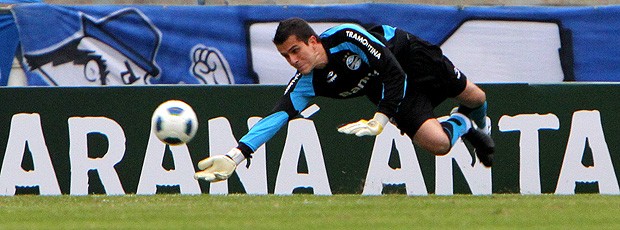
{"points": [[405, 76]]}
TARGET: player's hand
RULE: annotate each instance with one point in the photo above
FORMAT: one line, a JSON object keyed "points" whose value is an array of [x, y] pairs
{"points": [[363, 127], [219, 167]]}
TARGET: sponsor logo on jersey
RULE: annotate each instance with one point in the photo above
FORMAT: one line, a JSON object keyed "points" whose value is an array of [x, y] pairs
{"points": [[360, 85], [361, 39], [331, 77], [354, 62]]}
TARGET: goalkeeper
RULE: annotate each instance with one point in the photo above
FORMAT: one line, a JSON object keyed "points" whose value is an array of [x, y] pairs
{"points": [[403, 75]]}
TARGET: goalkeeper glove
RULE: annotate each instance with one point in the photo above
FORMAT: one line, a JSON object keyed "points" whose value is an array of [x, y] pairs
{"points": [[219, 167], [363, 127]]}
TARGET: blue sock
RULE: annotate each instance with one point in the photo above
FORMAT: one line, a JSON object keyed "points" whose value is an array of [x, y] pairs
{"points": [[456, 126], [478, 115]]}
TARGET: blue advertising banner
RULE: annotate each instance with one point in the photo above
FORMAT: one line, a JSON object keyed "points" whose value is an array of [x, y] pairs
{"points": [[8, 45], [136, 45], [120, 45]]}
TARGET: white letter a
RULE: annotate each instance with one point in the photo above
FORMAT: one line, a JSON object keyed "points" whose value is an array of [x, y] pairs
{"points": [[586, 125], [26, 129]]}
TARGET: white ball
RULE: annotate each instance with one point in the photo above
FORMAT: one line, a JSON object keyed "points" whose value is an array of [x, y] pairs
{"points": [[174, 122]]}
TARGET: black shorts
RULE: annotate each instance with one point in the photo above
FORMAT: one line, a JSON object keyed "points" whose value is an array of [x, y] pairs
{"points": [[431, 79]]}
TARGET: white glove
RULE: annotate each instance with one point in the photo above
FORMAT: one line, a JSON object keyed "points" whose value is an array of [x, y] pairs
{"points": [[219, 167], [363, 127]]}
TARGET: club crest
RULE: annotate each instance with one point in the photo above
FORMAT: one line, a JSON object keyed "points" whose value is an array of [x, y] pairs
{"points": [[354, 62]]}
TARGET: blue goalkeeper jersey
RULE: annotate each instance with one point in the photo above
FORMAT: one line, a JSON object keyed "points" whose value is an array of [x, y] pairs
{"points": [[359, 64]]}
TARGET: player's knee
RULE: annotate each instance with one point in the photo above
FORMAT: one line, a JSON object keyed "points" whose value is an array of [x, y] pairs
{"points": [[477, 98], [473, 96], [482, 97], [437, 148], [440, 150], [432, 138]]}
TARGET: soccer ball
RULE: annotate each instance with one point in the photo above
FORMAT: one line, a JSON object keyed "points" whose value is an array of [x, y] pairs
{"points": [[174, 122]]}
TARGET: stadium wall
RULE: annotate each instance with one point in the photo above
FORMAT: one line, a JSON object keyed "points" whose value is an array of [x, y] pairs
{"points": [[550, 138]]}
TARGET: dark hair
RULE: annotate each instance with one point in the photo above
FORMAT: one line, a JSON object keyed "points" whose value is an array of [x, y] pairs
{"points": [[293, 26]]}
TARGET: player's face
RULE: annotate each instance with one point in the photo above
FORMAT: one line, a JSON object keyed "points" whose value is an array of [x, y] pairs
{"points": [[303, 57]]}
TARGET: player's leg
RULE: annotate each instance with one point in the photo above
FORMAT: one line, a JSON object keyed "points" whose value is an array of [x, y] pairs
{"points": [[439, 137], [434, 76], [416, 119], [472, 103]]}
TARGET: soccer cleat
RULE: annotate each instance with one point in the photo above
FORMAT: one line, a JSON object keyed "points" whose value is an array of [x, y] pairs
{"points": [[483, 144]]}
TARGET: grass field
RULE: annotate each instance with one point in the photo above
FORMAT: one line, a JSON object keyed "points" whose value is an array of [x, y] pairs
{"points": [[503, 211]]}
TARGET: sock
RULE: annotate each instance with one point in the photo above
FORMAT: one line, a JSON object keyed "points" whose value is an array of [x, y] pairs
{"points": [[478, 115], [456, 126]]}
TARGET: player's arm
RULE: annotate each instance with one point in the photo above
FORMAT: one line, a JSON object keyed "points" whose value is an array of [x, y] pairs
{"points": [[394, 82], [392, 77], [296, 98]]}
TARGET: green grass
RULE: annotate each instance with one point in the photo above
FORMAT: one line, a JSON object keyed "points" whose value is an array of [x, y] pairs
{"points": [[590, 211]]}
